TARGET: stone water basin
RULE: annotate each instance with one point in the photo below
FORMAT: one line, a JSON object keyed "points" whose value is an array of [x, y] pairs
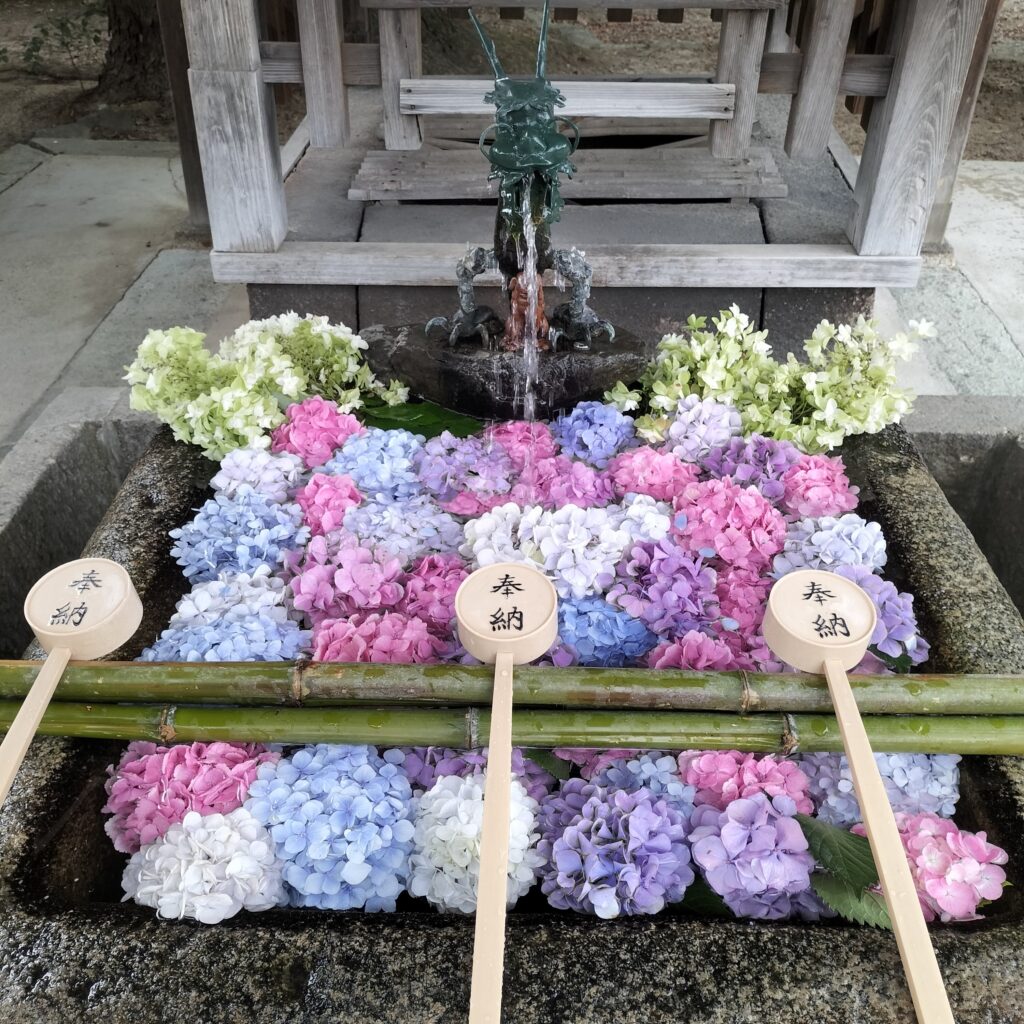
{"points": [[70, 950]]}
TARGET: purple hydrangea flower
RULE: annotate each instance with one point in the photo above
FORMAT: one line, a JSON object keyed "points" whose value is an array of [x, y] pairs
{"points": [[827, 543], [759, 461], [700, 425], [754, 855], [667, 588], [896, 629], [623, 853], [602, 635], [594, 432], [237, 534], [656, 772], [425, 765], [258, 637], [407, 529], [449, 465], [381, 463]]}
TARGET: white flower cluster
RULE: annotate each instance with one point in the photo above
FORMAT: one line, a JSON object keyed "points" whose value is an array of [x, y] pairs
{"points": [[274, 476], [445, 864], [493, 537], [643, 519], [207, 868], [233, 597]]}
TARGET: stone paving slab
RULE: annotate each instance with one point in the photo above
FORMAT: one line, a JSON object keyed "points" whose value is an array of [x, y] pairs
{"points": [[16, 162]]}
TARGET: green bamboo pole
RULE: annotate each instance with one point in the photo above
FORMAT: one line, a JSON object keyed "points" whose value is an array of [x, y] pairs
{"points": [[467, 727], [315, 684]]}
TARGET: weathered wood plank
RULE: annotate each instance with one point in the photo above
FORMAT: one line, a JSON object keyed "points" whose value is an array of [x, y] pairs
{"points": [[582, 99], [222, 36], [813, 108], [297, 144], [400, 58], [910, 126], [360, 62], [583, 5], [322, 79], [863, 74], [739, 61], [845, 159], [631, 266], [241, 160]]}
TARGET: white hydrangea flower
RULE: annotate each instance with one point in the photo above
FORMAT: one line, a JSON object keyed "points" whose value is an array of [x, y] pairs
{"points": [[644, 519], [207, 868], [233, 597], [273, 476], [493, 537], [445, 863]]}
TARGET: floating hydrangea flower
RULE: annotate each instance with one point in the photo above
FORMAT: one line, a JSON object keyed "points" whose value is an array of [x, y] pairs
{"points": [[232, 596], [953, 870], [656, 772], [758, 461], [237, 534], [742, 597], [693, 650], [818, 486], [445, 865], [430, 589], [914, 784], [261, 636], [646, 470], [896, 626], [208, 869], [273, 476], [407, 529], [594, 432], [601, 635], [325, 500], [524, 442], [644, 520], [381, 462], [754, 855], [721, 776], [624, 853], [700, 425], [449, 465], [469, 504], [662, 585], [314, 430], [577, 547], [341, 820], [589, 761], [559, 481], [152, 787], [493, 537], [828, 543], [391, 637], [425, 765], [750, 650], [718, 517]]}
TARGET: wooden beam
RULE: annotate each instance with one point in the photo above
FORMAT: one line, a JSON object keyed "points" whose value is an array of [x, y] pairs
{"points": [[297, 144], [401, 57], [583, 5], [402, 264], [813, 108], [910, 128], [455, 126], [845, 159], [740, 47], [360, 62], [863, 74], [322, 79], [665, 100]]}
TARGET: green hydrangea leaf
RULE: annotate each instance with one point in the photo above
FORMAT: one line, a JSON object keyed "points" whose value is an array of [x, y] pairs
{"points": [[547, 760], [702, 900], [841, 853], [424, 418], [862, 906]]}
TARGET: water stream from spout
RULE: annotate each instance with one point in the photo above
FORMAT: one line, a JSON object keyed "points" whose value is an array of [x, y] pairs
{"points": [[528, 277]]}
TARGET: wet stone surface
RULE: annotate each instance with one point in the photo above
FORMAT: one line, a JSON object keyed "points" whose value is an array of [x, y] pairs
{"points": [[70, 951]]}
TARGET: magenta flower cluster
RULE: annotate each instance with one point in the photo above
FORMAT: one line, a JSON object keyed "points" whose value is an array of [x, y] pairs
{"points": [[314, 430]]}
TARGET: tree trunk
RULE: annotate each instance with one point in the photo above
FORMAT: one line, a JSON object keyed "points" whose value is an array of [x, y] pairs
{"points": [[134, 67]]}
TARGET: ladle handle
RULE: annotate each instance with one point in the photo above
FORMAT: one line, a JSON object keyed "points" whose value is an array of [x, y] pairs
{"points": [[489, 937], [26, 721], [927, 988]]}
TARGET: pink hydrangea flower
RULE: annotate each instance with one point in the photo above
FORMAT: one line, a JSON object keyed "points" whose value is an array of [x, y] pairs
{"points": [[560, 481], [592, 762], [430, 591], [325, 500], [818, 486], [526, 443], [738, 524], [471, 505], [953, 870], [335, 581], [153, 787], [391, 637], [742, 597], [721, 776], [648, 471], [693, 650], [750, 650], [315, 428]]}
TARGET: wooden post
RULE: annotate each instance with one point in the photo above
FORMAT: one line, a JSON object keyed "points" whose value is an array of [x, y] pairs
{"points": [[234, 127], [739, 61], [943, 204], [910, 127], [813, 108], [401, 56], [322, 77]]}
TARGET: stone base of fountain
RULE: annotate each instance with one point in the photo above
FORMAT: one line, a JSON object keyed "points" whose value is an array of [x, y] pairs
{"points": [[491, 384]]}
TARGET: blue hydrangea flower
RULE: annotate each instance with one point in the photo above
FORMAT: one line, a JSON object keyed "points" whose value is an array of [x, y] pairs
{"points": [[594, 432], [341, 820], [601, 634], [826, 542], [407, 529], [914, 784], [258, 637], [656, 772], [382, 463], [237, 534]]}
